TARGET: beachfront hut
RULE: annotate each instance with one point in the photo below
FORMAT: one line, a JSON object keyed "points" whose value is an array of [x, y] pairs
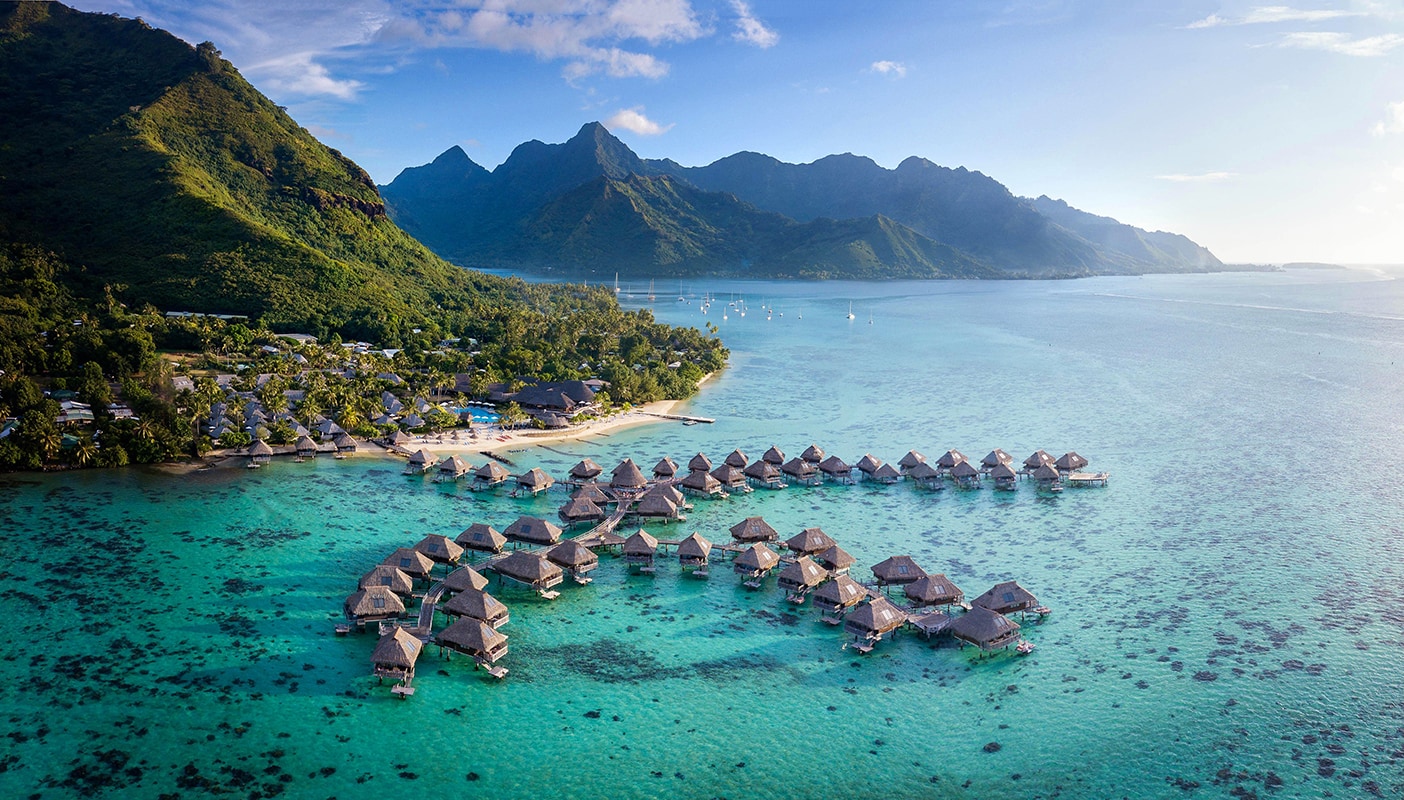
{"points": [[440, 549], [886, 474], [966, 475], [729, 476], [665, 468], [985, 629], [1038, 459], [868, 464], [926, 476], [869, 622], [586, 470], [813, 454], [531, 569], [471, 637], [535, 480], [699, 463], [395, 654], [897, 571], [465, 579], [657, 505], [453, 468], [835, 597], [260, 452], [639, 550], [774, 456], [627, 476], [801, 470], [479, 605], [481, 537], [1070, 462], [949, 459], [580, 510], [765, 474], [344, 443], [1006, 598], [809, 542], [800, 577], [910, 460], [1004, 477], [933, 590], [397, 438], [390, 577], [755, 562], [489, 475], [1048, 477], [753, 529], [411, 562], [532, 531], [420, 461], [305, 447], [994, 458], [701, 483], [736, 458], [412, 421], [372, 603], [693, 553], [837, 469], [574, 556], [836, 560], [591, 491]]}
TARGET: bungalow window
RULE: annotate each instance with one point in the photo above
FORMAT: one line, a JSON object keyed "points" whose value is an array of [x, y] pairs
{"points": [[901, 569], [1008, 597], [405, 562], [378, 602], [384, 581]]}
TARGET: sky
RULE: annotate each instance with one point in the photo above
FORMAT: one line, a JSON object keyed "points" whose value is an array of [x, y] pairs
{"points": [[1267, 133]]}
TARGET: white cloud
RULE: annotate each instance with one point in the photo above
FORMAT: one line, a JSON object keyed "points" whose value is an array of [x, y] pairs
{"points": [[751, 30], [1271, 14], [633, 119], [893, 68], [1333, 42], [1393, 121], [298, 74], [1203, 177]]}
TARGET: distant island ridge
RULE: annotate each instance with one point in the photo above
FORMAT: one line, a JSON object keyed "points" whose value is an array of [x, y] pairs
{"points": [[591, 205]]}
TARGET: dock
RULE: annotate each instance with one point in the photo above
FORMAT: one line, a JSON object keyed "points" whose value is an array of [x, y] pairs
{"points": [[680, 417]]}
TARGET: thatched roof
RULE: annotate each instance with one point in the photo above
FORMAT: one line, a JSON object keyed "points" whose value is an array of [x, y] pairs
{"points": [[398, 650], [670, 492], [933, 590], [390, 577], [580, 509], [841, 592], [996, 457], [572, 555], [1038, 459], [802, 574], [592, 492], [761, 471], [923, 472], [1046, 472], [373, 601], [701, 482], [260, 448], [868, 464], [398, 437], [665, 468], [477, 604], [533, 530], [412, 562], [656, 504], [585, 470], [898, 570], [810, 541], [694, 548], [699, 463], [774, 456], [535, 478], [875, 617], [950, 458], [984, 628], [641, 543], [833, 465], [343, 441], [628, 475], [964, 469], [471, 636], [421, 457], [886, 472], [1070, 462], [529, 568], [481, 537], [911, 459], [736, 458], [491, 472], [754, 529], [1003, 472], [813, 454], [836, 558], [440, 548], [728, 475], [305, 445], [1006, 597], [798, 467], [756, 558], [455, 465], [465, 579]]}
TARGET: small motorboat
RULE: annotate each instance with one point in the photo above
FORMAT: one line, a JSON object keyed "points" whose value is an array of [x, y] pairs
{"points": [[1024, 647]]}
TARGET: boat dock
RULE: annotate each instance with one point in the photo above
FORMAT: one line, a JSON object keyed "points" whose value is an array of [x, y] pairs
{"points": [[680, 417]]}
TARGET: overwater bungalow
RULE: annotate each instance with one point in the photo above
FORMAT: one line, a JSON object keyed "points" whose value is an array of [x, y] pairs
{"points": [[693, 553], [1006, 598], [305, 447], [579, 511], [702, 484], [799, 577], [730, 477], [802, 471], [886, 474], [659, 506], [836, 469], [532, 531], [933, 590], [897, 571], [868, 464], [949, 459], [531, 569], [1038, 459], [833, 598], [765, 475], [813, 454], [481, 537], [736, 458], [966, 475], [755, 562], [1048, 478], [489, 475], [390, 577], [372, 604], [926, 476], [344, 444], [441, 549], [699, 463], [670, 492], [586, 470], [395, 654], [420, 462], [665, 468], [412, 562], [753, 529], [453, 468], [260, 453], [809, 542], [465, 579], [910, 460], [985, 629], [574, 556], [869, 622], [482, 643], [534, 480], [1005, 477], [591, 491], [627, 477], [836, 560], [994, 458], [1070, 462], [479, 605], [774, 456], [639, 550]]}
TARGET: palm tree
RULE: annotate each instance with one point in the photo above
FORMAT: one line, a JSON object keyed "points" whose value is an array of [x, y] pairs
{"points": [[50, 441], [84, 453]]}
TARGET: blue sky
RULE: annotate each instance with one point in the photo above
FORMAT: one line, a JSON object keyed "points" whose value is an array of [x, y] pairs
{"points": [[1265, 132]]}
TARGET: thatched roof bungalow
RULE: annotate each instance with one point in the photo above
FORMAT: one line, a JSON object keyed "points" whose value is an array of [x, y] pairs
{"points": [[479, 605], [809, 542], [640, 548], [800, 576], [574, 556], [453, 468], [836, 560], [490, 474], [397, 438], [260, 452], [910, 460], [440, 549], [933, 590], [699, 463], [1070, 462], [754, 529], [670, 492], [887, 474], [813, 454], [531, 569], [838, 595], [665, 468], [774, 456], [305, 447], [994, 458], [868, 464], [395, 654], [1047, 477], [897, 571], [474, 639], [465, 579], [736, 458], [373, 603], [966, 475], [657, 505], [694, 551], [390, 577], [412, 562], [802, 471], [591, 491], [533, 531], [870, 621], [926, 476], [627, 476], [580, 510], [729, 476], [985, 629], [754, 562], [481, 537], [535, 480], [700, 483], [344, 443], [949, 459], [764, 474], [1005, 477], [837, 469], [1006, 598], [421, 460], [1038, 459], [586, 470]]}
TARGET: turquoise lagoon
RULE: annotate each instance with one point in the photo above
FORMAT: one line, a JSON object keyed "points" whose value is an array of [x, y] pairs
{"points": [[1228, 614]]}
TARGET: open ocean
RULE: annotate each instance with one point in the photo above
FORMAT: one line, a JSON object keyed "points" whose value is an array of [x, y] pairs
{"points": [[1228, 614]]}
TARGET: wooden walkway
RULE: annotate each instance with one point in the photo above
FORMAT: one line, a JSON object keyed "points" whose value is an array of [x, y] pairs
{"points": [[679, 417]]}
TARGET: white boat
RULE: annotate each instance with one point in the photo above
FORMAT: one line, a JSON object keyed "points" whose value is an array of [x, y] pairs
{"points": [[1024, 647], [850, 310]]}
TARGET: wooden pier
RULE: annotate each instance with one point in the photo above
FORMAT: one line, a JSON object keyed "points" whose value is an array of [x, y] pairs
{"points": [[680, 417]]}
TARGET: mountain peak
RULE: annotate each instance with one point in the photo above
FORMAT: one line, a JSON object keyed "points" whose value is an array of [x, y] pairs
{"points": [[596, 145]]}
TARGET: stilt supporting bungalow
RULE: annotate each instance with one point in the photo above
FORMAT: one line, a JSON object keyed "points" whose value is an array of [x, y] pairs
{"points": [[639, 550], [868, 623], [800, 577], [834, 598], [693, 554], [754, 563]]}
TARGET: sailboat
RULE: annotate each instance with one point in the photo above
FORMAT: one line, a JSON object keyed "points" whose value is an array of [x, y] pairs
{"points": [[650, 290], [850, 309], [616, 283], [870, 317]]}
